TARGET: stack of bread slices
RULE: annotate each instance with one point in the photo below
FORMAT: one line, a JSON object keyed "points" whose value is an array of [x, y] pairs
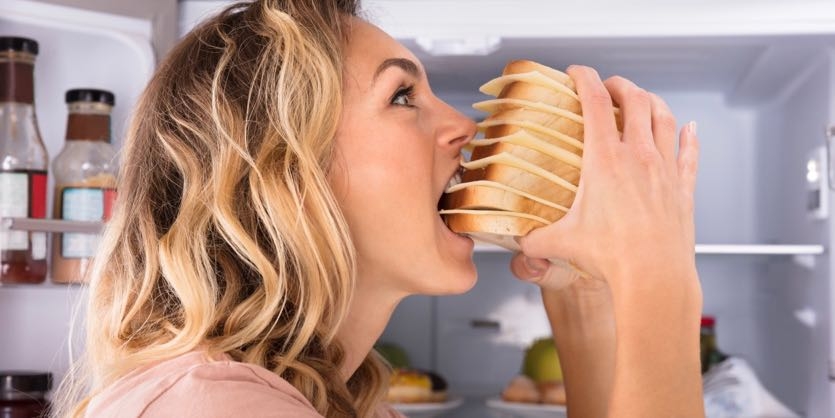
{"points": [[524, 173]]}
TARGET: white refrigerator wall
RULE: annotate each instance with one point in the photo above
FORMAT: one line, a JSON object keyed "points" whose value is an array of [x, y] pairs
{"points": [[793, 357]]}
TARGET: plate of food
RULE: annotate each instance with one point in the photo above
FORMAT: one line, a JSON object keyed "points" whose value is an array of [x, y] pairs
{"points": [[414, 392], [429, 409], [420, 393], [538, 391], [504, 409]]}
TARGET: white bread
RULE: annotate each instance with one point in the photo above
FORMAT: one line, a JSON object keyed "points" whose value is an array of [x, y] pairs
{"points": [[494, 227], [523, 138], [524, 66], [565, 121], [525, 173], [554, 181], [536, 123], [534, 87], [489, 195], [520, 67]]}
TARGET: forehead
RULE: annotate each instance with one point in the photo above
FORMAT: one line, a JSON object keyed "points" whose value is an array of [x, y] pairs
{"points": [[368, 46]]}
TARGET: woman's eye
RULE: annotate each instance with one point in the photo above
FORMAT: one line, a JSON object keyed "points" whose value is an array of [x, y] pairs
{"points": [[404, 96]]}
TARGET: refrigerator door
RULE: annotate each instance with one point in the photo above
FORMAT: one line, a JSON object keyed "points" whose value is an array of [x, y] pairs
{"points": [[108, 44]]}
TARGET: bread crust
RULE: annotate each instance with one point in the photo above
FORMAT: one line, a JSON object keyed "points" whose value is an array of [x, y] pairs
{"points": [[541, 94], [558, 119], [533, 149], [501, 125], [524, 181], [524, 66], [478, 196], [494, 228]]}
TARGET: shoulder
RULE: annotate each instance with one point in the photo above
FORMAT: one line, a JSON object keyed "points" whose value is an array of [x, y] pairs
{"points": [[197, 385]]}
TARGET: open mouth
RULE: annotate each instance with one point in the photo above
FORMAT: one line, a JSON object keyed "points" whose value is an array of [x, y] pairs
{"points": [[454, 180]]}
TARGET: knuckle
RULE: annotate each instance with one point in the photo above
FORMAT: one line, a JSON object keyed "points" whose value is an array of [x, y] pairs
{"points": [[639, 97], [599, 97], [665, 120]]}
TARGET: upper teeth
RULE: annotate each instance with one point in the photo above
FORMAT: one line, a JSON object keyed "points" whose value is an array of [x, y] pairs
{"points": [[456, 179]]}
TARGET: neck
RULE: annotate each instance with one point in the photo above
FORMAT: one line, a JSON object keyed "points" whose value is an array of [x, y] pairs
{"points": [[370, 311]]}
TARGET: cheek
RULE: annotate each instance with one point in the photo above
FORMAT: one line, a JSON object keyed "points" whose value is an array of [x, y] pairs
{"points": [[386, 177]]}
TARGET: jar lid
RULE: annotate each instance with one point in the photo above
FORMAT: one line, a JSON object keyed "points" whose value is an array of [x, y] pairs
{"points": [[18, 44], [90, 95], [25, 381], [708, 321]]}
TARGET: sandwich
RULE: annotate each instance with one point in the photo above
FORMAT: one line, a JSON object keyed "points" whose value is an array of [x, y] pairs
{"points": [[524, 172]]}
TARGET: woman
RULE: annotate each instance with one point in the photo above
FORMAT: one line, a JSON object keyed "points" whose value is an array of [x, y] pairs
{"points": [[279, 198]]}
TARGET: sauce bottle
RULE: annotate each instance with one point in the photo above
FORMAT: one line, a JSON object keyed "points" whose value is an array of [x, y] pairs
{"points": [[23, 163], [711, 355], [85, 180]]}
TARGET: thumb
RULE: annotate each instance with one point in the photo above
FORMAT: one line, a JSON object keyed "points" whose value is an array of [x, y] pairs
{"points": [[527, 268], [548, 242]]}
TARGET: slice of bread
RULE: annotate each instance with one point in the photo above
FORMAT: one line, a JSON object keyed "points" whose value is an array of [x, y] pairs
{"points": [[562, 120], [540, 94], [495, 227], [522, 138], [524, 66], [496, 86], [522, 180], [489, 195], [509, 122], [555, 171]]}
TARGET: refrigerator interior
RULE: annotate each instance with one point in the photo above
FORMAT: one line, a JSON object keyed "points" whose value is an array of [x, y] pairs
{"points": [[761, 100]]}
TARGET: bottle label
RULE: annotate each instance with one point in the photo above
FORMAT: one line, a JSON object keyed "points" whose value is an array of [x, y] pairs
{"points": [[22, 194], [84, 204]]}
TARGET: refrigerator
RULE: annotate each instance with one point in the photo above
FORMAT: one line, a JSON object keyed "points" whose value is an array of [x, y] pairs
{"points": [[757, 75]]}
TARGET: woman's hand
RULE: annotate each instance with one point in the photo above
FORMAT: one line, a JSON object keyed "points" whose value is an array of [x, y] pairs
{"points": [[631, 225], [634, 207]]}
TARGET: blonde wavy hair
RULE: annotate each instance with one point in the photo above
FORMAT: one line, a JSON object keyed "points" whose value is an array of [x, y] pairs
{"points": [[227, 236]]}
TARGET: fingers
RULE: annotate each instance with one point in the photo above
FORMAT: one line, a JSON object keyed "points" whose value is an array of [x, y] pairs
{"points": [[635, 104], [542, 272], [527, 268], [688, 158], [598, 114], [663, 128]]}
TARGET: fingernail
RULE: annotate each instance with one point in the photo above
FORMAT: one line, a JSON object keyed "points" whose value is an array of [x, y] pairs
{"points": [[692, 127]]}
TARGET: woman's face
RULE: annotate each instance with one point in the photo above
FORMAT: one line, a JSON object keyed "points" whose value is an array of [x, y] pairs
{"points": [[397, 146]]}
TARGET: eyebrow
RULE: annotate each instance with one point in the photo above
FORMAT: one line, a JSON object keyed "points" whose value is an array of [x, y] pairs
{"points": [[404, 64]]}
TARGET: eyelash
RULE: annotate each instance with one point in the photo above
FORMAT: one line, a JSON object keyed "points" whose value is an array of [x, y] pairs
{"points": [[408, 91]]}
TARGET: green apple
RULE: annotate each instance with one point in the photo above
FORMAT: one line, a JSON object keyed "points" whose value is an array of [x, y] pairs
{"points": [[541, 362], [394, 354]]}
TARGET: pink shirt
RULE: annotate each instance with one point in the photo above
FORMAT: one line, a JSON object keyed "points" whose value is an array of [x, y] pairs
{"points": [[195, 385]]}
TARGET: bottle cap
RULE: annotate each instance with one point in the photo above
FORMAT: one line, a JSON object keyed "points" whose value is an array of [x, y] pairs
{"points": [[22, 382], [90, 95], [18, 44], [708, 321]]}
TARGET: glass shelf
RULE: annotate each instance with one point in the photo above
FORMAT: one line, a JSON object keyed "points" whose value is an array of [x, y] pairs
{"points": [[50, 225], [717, 249]]}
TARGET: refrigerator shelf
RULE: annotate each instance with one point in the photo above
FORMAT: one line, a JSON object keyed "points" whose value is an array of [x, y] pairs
{"points": [[717, 249], [50, 225]]}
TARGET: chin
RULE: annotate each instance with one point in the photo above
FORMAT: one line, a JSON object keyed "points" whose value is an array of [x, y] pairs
{"points": [[453, 280]]}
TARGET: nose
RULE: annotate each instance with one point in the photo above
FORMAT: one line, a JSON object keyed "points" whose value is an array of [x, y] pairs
{"points": [[455, 130]]}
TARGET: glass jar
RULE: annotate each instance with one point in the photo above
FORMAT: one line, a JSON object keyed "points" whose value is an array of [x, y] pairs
{"points": [[23, 163], [23, 394], [85, 180]]}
